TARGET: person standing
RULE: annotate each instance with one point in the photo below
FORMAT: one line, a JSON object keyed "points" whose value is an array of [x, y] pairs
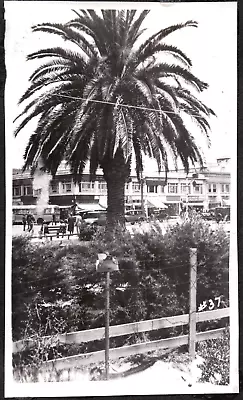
{"points": [[70, 224], [24, 222], [31, 224], [78, 223], [28, 219], [54, 219]]}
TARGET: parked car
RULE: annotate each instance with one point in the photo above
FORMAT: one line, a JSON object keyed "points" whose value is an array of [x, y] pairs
{"points": [[133, 216], [94, 217]]}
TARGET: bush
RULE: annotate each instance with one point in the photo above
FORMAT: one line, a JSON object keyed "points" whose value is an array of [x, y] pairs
{"points": [[216, 353], [57, 289], [170, 253]]}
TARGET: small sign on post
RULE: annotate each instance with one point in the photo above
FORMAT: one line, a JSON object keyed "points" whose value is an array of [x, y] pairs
{"points": [[193, 303]]}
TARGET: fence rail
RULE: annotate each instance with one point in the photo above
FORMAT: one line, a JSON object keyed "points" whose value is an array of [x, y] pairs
{"points": [[126, 329], [125, 351]]}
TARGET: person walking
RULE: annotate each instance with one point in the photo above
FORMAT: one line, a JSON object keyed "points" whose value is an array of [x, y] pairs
{"points": [[78, 223], [30, 222], [54, 219], [71, 224], [24, 222]]}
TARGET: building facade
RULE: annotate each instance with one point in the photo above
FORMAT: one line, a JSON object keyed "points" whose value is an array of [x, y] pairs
{"points": [[199, 189]]}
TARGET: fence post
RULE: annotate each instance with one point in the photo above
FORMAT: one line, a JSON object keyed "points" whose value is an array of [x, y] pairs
{"points": [[192, 302]]}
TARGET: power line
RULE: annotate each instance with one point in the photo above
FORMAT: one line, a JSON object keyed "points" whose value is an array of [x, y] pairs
{"points": [[125, 105]]}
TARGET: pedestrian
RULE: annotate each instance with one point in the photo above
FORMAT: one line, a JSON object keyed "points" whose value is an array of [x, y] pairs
{"points": [[24, 222], [78, 223], [54, 219], [30, 222], [71, 224]]}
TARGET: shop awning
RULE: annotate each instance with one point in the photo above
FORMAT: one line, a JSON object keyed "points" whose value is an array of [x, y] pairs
{"points": [[155, 203], [89, 207]]}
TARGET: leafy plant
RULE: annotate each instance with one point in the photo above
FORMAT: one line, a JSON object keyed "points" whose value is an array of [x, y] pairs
{"points": [[57, 289], [216, 355]]}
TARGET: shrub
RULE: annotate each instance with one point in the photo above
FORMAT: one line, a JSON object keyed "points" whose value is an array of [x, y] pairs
{"points": [[216, 355], [58, 288]]}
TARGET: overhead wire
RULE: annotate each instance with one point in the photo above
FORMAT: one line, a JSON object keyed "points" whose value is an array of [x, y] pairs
{"points": [[125, 105]]}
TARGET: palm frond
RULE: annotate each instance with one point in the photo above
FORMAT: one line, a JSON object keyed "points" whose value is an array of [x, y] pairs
{"points": [[165, 32]]}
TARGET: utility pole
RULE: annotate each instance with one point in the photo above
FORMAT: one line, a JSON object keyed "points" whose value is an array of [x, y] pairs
{"points": [[187, 195], [142, 193]]}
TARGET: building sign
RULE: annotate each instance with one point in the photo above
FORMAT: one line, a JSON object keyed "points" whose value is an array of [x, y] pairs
{"points": [[195, 199], [173, 198]]}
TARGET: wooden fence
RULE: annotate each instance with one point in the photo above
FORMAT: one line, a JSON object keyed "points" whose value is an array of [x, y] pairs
{"points": [[126, 329]]}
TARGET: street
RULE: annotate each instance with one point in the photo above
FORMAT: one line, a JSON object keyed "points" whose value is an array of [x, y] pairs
{"points": [[132, 228]]}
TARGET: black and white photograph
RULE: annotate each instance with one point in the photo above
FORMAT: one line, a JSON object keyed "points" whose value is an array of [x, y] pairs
{"points": [[121, 212]]}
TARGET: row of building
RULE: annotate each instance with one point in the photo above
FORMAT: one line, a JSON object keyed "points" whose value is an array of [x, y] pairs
{"points": [[204, 189]]}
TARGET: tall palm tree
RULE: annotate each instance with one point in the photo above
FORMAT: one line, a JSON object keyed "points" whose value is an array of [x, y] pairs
{"points": [[106, 98]]}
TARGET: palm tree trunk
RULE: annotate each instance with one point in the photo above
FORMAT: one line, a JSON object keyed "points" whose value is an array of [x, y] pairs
{"points": [[116, 172]]}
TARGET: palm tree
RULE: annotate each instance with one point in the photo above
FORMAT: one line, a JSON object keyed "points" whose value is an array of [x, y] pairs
{"points": [[106, 98]]}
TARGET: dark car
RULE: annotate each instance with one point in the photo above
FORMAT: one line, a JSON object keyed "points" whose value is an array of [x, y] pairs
{"points": [[95, 217], [133, 216]]}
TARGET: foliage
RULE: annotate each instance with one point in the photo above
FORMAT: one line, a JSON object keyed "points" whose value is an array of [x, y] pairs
{"points": [[216, 354], [57, 289], [171, 253], [81, 91]]}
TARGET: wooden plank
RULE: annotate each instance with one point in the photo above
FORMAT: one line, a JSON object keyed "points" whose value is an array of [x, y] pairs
{"points": [[125, 351], [124, 329], [212, 334], [94, 357], [213, 315], [192, 303]]}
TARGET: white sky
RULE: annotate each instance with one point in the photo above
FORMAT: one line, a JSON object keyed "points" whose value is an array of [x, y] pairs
{"points": [[212, 47]]}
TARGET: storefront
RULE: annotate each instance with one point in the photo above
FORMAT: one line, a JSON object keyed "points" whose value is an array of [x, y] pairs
{"points": [[173, 204]]}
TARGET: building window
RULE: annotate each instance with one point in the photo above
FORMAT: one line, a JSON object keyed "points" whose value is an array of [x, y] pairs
{"points": [[102, 186], [28, 191], [152, 188], [127, 186], [185, 188], [198, 188], [55, 187], [212, 188], [162, 189], [66, 187], [86, 186], [172, 187], [136, 187], [225, 188], [17, 191]]}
